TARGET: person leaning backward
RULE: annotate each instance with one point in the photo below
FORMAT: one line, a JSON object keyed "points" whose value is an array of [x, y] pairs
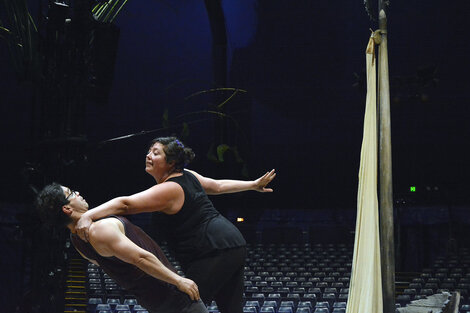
{"points": [[210, 248]]}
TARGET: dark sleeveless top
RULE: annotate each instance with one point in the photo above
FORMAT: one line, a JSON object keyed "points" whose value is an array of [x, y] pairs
{"points": [[152, 293], [198, 228]]}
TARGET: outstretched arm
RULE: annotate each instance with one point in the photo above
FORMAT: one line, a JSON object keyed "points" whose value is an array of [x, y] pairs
{"points": [[157, 198], [108, 239], [220, 186]]}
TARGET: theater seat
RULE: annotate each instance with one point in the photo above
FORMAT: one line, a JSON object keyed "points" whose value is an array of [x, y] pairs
{"points": [[426, 292], [122, 307], [304, 310], [113, 302], [258, 296], [92, 303], [294, 297], [287, 303], [267, 309], [251, 289], [285, 309], [130, 302], [330, 297], [103, 307], [309, 297], [252, 303], [272, 303], [305, 304], [343, 297], [410, 291], [322, 304], [274, 296], [139, 308]]}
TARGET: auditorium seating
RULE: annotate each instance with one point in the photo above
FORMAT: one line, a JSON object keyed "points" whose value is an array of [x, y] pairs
{"points": [[447, 273], [105, 296], [297, 278]]}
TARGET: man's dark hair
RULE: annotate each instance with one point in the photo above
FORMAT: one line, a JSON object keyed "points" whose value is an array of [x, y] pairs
{"points": [[49, 203], [175, 151]]}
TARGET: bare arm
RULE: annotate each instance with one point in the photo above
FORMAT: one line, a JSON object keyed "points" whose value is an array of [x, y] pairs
{"points": [[108, 239], [90, 260], [220, 186], [161, 197]]}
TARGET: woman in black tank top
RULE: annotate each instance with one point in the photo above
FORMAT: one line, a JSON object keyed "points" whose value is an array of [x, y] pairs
{"points": [[210, 248]]}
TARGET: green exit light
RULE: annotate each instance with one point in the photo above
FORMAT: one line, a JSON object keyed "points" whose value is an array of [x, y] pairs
{"points": [[413, 188]]}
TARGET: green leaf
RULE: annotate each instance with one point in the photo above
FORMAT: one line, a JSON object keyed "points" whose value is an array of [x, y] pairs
{"points": [[238, 158], [214, 90], [118, 10], [211, 155], [227, 100], [165, 119], [185, 131], [21, 35], [5, 30], [221, 149]]}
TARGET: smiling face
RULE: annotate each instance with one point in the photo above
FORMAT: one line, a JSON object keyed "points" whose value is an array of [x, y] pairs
{"points": [[156, 164]]}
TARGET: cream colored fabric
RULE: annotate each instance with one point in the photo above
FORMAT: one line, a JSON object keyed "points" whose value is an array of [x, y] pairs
{"points": [[365, 290]]}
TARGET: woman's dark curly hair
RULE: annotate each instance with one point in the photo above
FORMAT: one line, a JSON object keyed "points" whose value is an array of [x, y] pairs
{"points": [[49, 203], [175, 151]]}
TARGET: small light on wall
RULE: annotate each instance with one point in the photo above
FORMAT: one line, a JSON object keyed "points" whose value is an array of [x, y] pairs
{"points": [[240, 219]]}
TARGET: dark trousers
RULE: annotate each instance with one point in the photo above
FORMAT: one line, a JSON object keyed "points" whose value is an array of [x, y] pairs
{"points": [[220, 277]]}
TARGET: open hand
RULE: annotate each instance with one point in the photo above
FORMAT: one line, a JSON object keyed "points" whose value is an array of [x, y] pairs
{"points": [[189, 287], [263, 181], [83, 227]]}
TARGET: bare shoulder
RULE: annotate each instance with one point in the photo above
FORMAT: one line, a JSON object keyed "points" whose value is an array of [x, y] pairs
{"points": [[104, 234], [105, 223], [102, 229]]}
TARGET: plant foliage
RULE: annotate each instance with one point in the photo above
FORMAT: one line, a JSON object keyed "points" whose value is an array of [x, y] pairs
{"points": [[107, 11], [19, 31]]}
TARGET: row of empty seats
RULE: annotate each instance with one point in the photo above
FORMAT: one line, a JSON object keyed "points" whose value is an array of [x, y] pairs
{"points": [[447, 273], [294, 278], [297, 278], [106, 296], [115, 305]]}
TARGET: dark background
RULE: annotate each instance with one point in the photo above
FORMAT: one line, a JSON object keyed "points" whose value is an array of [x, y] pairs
{"points": [[302, 64]]}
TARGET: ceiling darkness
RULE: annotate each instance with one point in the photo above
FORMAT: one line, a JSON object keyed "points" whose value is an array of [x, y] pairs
{"points": [[302, 65]]}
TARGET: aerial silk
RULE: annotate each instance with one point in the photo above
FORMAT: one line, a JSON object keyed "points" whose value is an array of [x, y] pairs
{"points": [[365, 289]]}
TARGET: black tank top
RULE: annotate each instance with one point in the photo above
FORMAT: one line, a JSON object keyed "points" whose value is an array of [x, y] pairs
{"points": [[198, 228], [152, 293]]}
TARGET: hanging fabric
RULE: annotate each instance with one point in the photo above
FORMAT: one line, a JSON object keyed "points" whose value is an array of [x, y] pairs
{"points": [[365, 289]]}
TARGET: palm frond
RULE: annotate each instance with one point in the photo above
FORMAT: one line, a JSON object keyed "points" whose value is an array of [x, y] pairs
{"points": [[119, 10], [214, 90], [20, 34], [107, 11]]}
